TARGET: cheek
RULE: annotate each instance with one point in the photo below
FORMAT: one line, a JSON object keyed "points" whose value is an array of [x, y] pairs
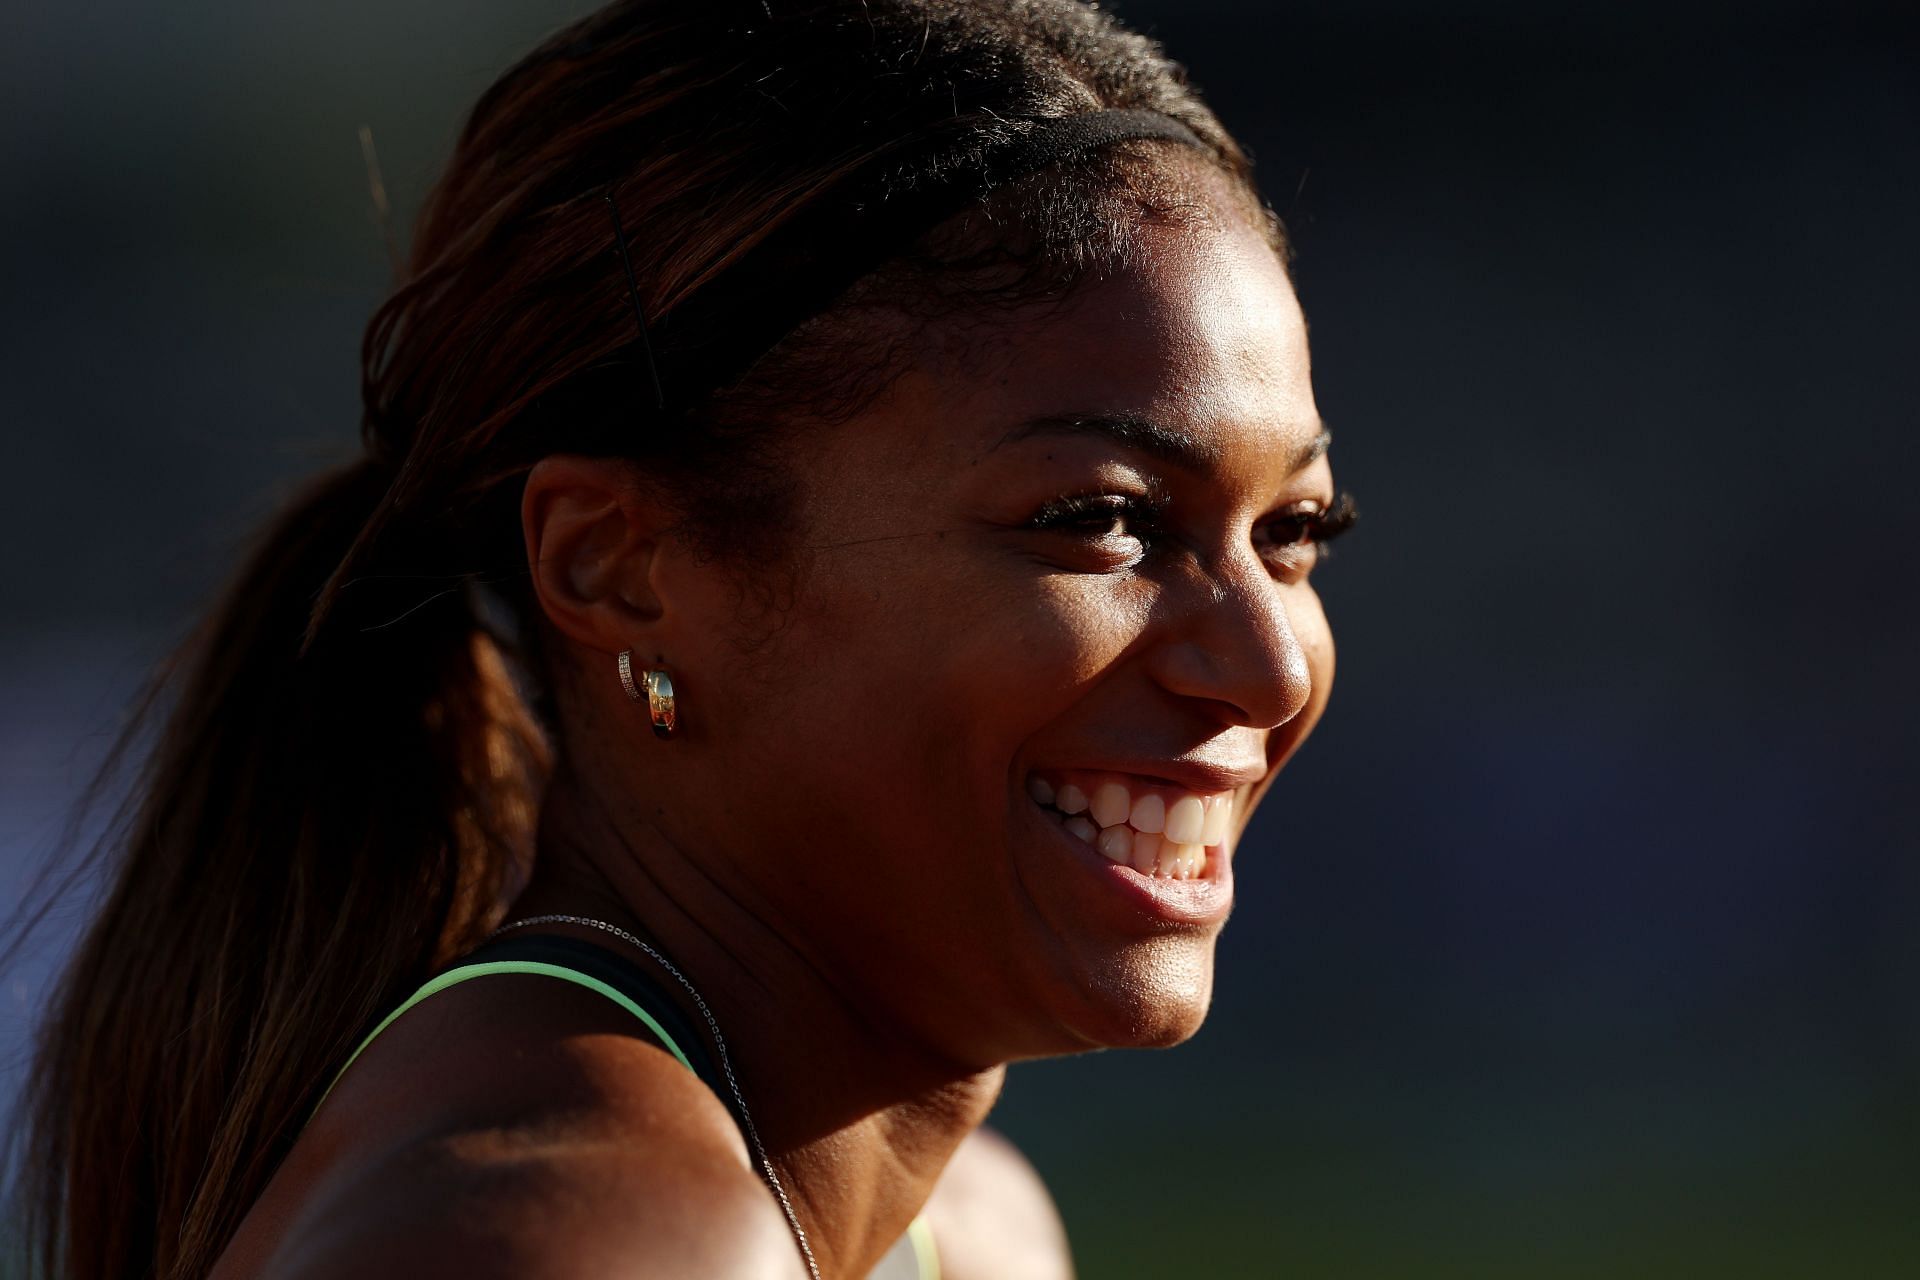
{"points": [[1309, 621], [1073, 627], [933, 669], [1031, 651], [1316, 640]]}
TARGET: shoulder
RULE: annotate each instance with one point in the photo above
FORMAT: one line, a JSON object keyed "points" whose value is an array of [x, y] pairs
{"points": [[488, 1205], [517, 1126], [992, 1216]]}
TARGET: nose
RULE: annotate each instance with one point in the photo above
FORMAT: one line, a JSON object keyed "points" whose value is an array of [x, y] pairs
{"points": [[1231, 642]]}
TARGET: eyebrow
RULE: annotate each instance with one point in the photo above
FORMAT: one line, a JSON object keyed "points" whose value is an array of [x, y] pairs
{"points": [[1155, 439]]}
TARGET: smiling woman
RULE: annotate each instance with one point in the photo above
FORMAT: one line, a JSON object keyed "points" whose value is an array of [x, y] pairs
{"points": [[828, 584]]}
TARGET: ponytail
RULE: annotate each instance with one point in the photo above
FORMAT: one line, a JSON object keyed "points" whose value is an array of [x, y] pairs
{"points": [[321, 820]]}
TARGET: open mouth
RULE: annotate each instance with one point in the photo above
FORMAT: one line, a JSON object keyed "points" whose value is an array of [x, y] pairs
{"points": [[1159, 830]]}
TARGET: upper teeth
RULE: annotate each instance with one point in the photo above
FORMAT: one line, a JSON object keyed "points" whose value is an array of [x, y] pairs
{"points": [[1111, 804], [1159, 831], [1186, 819], [1149, 814]]}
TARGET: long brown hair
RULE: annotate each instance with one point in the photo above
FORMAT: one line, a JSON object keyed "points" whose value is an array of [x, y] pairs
{"points": [[344, 790]]}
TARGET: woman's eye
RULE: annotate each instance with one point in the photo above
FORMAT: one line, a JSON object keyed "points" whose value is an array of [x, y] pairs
{"points": [[1100, 515], [1294, 532], [1125, 527], [1101, 532]]}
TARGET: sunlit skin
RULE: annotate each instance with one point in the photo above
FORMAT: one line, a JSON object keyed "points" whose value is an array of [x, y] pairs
{"points": [[839, 846]]}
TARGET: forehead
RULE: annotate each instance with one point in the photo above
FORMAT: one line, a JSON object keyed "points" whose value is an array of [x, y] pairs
{"points": [[1202, 332]]}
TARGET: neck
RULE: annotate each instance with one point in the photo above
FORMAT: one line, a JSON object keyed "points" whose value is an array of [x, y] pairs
{"points": [[858, 1118]]}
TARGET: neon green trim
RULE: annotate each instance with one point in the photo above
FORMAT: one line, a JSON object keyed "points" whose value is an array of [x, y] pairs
{"points": [[451, 977], [923, 1251], [925, 1255]]}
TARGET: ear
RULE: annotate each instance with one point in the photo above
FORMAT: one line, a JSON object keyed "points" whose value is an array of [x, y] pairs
{"points": [[594, 531]]}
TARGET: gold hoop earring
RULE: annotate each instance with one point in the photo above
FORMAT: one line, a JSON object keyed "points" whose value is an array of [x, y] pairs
{"points": [[661, 707], [660, 703]]}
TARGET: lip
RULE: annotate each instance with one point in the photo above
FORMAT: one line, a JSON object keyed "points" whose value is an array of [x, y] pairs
{"points": [[1203, 777], [1203, 902]]}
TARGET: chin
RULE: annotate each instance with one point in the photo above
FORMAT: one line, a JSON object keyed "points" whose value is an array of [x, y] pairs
{"points": [[1153, 996]]}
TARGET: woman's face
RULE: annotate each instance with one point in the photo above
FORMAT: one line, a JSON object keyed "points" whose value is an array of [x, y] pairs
{"points": [[1060, 567]]}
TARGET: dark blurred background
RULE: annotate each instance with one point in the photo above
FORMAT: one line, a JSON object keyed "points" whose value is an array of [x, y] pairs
{"points": [[1582, 941]]}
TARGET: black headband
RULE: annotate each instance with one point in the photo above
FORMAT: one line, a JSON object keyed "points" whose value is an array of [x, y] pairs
{"points": [[713, 337]]}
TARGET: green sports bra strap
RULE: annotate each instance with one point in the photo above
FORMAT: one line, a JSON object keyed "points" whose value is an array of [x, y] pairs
{"points": [[917, 1245], [466, 972]]}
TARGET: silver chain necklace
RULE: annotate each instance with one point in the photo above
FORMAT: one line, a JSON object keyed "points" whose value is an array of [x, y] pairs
{"points": [[726, 1064]]}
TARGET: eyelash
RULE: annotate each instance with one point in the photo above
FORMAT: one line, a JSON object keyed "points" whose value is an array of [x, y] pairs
{"points": [[1323, 525], [1084, 510], [1146, 513]]}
